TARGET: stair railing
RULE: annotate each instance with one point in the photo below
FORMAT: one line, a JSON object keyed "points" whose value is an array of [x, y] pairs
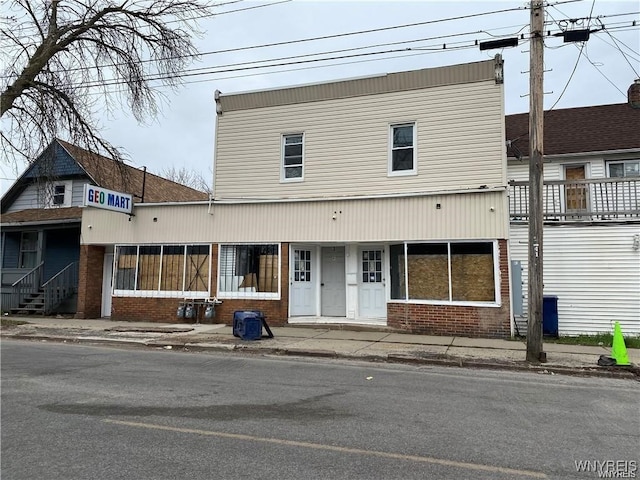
{"points": [[26, 285], [60, 287]]}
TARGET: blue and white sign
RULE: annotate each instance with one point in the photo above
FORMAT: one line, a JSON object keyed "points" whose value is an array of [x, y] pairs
{"points": [[107, 199]]}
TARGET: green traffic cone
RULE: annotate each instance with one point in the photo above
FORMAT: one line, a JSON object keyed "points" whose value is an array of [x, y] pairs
{"points": [[619, 349]]}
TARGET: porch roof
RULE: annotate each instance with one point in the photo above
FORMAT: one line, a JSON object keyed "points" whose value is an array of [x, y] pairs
{"points": [[36, 215]]}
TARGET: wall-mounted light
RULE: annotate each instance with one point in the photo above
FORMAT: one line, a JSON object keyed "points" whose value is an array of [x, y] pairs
{"points": [[636, 242]]}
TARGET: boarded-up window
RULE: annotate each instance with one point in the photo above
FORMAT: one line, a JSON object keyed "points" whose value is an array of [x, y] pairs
{"points": [[460, 272], [428, 271], [165, 268], [472, 277], [172, 268]]}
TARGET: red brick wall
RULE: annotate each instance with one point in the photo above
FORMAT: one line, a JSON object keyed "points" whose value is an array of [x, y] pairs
{"points": [[90, 281], [468, 321], [141, 309]]}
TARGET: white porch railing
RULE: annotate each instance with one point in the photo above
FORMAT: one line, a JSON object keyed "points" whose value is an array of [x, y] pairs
{"points": [[606, 199]]}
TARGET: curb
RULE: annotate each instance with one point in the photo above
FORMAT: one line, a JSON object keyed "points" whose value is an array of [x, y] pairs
{"points": [[628, 373]]}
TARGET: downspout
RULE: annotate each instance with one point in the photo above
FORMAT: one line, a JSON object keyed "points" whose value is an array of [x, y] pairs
{"points": [[216, 97], [144, 181]]}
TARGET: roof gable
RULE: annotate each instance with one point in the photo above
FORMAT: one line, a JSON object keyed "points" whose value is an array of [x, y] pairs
{"points": [[107, 173], [53, 162], [63, 160]]}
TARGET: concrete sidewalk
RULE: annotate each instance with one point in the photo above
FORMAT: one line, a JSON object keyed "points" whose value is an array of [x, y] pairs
{"points": [[335, 341]]}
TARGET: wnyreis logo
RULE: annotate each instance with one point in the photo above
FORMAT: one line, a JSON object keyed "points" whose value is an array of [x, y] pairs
{"points": [[608, 468]]}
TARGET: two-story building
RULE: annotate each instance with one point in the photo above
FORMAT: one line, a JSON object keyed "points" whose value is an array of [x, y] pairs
{"points": [[591, 238], [41, 217], [378, 200]]}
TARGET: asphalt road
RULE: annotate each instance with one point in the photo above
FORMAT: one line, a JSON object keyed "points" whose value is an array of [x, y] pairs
{"points": [[83, 412]]}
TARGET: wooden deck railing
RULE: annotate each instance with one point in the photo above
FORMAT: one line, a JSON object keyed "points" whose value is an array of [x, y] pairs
{"points": [[60, 287], [28, 284]]}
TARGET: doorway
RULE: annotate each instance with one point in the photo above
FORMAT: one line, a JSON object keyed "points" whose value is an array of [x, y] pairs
{"points": [[107, 284], [371, 289], [304, 281], [576, 194], [332, 284]]}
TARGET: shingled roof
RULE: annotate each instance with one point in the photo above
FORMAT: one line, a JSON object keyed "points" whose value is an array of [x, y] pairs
{"points": [[112, 175], [578, 130]]}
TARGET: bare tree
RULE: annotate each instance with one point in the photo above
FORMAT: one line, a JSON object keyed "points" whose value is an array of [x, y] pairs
{"points": [[66, 61], [190, 178]]}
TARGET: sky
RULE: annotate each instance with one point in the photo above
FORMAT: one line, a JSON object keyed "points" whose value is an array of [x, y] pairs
{"points": [[596, 72]]}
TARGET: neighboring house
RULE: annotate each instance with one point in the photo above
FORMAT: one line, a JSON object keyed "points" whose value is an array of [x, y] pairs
{"points": [[591, 239], [41, 219], [380, 200]]}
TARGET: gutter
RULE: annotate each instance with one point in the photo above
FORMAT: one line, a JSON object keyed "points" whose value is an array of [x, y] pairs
{"points": [[245, 200], [41, 222]]}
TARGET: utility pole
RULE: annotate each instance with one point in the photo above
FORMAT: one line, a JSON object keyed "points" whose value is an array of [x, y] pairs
{"points": [[536, 152]]}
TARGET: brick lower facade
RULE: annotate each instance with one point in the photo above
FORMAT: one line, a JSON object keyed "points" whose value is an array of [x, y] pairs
{"points": [[90, 281], [467, 321], [164, 310]]}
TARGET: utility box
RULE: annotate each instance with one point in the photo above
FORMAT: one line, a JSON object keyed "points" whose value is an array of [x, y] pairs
{"points": [[550, 315]]}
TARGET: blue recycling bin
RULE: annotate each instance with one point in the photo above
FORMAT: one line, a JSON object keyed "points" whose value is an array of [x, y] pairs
{"points": [[550, 315], [247, 324]]}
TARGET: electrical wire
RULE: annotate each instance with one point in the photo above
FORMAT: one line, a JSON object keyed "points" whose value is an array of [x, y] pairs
{"points": [[621, 52]]}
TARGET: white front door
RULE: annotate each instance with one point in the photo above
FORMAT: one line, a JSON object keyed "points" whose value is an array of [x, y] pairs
{"points": [[333, 283], [371, 288], [303, 282], [107, 279]]}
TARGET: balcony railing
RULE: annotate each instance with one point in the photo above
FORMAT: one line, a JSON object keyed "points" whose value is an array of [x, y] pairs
{"points": [[595, 200]]}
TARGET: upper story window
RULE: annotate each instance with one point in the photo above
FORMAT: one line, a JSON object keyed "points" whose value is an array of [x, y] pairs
{"points": [[402, 157], [627, 168], [58, 194], [292, 157]]}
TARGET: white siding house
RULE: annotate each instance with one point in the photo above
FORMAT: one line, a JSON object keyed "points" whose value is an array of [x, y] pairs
{"points": [[591, 239]]}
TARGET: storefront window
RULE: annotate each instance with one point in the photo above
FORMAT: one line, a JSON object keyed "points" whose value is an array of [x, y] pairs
{"points": [[443, 272]]}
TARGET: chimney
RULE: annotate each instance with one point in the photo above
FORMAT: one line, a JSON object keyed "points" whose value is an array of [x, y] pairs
{"points": [[633, 94]]}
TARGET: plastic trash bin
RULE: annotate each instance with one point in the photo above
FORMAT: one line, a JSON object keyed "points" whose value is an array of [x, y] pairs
{"points": [[247, 324], [550, 315]]}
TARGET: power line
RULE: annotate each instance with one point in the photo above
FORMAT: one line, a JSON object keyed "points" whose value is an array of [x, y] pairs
{"points": [[251, 65], [620, 50]]}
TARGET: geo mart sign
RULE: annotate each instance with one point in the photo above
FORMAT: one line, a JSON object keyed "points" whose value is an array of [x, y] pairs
{"points": [[107, 199]]}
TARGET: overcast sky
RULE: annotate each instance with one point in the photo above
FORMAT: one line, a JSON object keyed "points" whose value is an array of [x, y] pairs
{"points": [[183, 134]]}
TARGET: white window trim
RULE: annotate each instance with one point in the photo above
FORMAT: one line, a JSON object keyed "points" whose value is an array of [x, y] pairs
{"points": [[200, 294], [283, 178], [249, 295], [497, 301], [623, 162], [403, 173], [68, 186]]}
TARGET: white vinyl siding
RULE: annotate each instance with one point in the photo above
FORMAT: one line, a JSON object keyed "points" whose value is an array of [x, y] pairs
{"points": [[31, 196], [460, 144], [593, 270], [461, 216]]}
